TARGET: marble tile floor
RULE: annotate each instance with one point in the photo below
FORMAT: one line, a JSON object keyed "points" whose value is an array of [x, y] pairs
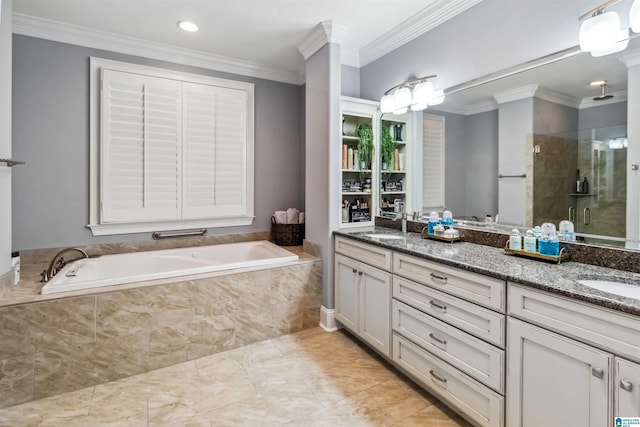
{"points": [[310, 378]]}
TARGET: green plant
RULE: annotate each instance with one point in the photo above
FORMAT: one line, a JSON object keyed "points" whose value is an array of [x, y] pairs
{"points": [[365, 142], [387, 146]]}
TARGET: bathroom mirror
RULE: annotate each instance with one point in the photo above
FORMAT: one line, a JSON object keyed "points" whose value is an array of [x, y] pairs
{"points": [[532, 128]]}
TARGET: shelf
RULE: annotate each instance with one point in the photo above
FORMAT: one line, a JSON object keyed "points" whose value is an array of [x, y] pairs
{"points": [[350, 138], [393, 192], [356, 193], [390, 171], [356, 170], [581, 195]]}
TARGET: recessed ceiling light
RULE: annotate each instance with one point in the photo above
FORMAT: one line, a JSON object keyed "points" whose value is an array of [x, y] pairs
{"points": [[188, 26], [597, 83]]}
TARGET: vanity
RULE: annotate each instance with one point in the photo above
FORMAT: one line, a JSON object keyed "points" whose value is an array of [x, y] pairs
{"points": [[504, 341]]}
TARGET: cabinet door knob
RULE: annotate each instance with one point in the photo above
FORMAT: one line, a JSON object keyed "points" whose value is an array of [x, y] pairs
{"points": [[436, 376], [597, 372], [355, 271], [439, 279], [359, 273], [626, 385], [441, 307]]}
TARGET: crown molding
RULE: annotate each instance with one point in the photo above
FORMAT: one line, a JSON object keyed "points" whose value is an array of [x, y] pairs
{"points": [[323, 33], [436, 13], [516, 94], [31, 26], [557, 97], [349, 57], [620, 96], [630, 58]]}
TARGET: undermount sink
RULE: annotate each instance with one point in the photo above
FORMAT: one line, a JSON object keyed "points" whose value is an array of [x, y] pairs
{"points": [[612, 287], [384, 236]]}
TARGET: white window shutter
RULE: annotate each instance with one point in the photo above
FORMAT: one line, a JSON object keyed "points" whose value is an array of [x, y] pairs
{"points": [[140, 127], [433, 139], [214, 151]]}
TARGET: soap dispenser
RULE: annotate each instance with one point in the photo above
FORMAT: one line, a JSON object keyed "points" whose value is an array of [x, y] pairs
{"points": [[515, 240], [548, 243], [530, 242], [434, 220]]}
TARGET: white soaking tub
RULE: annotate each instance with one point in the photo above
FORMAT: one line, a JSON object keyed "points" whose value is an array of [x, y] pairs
{"points": [[150, 265]]}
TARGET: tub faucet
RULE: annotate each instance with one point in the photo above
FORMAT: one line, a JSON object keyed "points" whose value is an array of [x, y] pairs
{"points": [[58, 263]]}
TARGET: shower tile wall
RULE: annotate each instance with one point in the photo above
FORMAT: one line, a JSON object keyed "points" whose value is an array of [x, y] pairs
{"points": [[554, 178], [63, 345]]}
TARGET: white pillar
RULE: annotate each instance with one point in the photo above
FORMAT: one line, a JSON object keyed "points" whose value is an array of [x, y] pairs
{"points": [[5, 135]]}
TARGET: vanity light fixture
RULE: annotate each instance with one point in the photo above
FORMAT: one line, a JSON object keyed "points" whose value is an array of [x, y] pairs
{"points": [[600, 32], [188, 26], [634, 16], [618, 142], [416, 93]]}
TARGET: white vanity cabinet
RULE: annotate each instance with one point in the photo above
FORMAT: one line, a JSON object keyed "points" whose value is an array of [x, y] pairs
{"points": [[566, 361], [363, 292], [448, 334]]}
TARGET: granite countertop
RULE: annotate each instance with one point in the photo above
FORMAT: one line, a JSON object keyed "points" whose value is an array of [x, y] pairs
{"points": [[560, 279]]}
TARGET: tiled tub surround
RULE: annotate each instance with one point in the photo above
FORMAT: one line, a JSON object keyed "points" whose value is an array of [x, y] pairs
{"points": [[52, 344], [560, 279], [618, 258]]}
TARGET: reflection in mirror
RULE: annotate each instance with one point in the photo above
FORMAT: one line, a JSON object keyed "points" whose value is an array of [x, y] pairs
{"points": [[495, 124], [394, 176]]}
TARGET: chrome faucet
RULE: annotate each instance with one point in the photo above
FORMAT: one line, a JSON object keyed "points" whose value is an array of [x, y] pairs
{"points": [[58, 263]]}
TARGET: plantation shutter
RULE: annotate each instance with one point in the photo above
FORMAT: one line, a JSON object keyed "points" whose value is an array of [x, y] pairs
{"points": [[432, 162], [140, 140], [215, 147]]}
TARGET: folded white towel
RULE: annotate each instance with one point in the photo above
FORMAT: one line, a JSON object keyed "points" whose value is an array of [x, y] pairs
{"points": [[301, 218], [293, 216], [281, 217]]}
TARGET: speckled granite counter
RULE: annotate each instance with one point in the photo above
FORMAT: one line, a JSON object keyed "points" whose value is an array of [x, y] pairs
{"points": [[560, 279]]}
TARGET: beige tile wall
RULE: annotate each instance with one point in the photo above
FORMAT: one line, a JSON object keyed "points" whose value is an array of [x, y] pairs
{"points": [[51, 347]]}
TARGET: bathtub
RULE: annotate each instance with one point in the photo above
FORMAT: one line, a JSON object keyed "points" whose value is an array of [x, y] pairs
{"points": [[118, 269]]}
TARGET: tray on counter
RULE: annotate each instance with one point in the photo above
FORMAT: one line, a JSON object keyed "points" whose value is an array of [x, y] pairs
{"points": [[425, 235], [562, 256]]}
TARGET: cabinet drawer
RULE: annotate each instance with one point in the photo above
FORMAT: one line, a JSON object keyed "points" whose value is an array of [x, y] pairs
{"points": [[479, 321], [479, 403], [476, 288], [610, 330], [627, 389], [369, 254], [471, 355]]}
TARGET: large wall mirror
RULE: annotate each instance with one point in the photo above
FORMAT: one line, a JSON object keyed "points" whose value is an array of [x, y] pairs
{"points": [[518, 142]]}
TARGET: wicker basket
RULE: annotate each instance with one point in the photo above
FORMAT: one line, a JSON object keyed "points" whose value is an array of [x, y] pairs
{"points": [[286, 234]]}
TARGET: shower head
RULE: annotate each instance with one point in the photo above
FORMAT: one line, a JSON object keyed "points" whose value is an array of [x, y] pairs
{"points": [[603, 96]]}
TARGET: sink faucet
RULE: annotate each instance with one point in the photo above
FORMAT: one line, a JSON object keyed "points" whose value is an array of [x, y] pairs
{"points": [[403, 215], [58, 263]]}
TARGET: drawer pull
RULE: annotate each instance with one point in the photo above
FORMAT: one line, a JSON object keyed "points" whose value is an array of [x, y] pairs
{"points": [[436, 376], [439, 279], [440, 307], [626, 385], [355, 271], [359, 273], [597, 372], [438, 340]]}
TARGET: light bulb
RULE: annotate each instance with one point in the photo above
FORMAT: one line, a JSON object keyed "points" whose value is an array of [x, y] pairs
{"points": [[188, 26], [634, 16], [387, 104], [619, 46], [402, 98], [600, 32], [422, 93]]}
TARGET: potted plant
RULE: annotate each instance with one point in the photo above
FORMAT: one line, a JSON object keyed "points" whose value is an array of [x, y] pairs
{"points": [[365, 144], [387, 148]]}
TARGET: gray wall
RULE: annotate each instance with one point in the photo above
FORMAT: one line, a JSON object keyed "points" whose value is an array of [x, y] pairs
{"points": [[350, 81], [549, 117], [603, 116], [51, 132], [5, 136]]}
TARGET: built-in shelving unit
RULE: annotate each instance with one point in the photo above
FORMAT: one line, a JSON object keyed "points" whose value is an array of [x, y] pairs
{"points": [[394, 176]]}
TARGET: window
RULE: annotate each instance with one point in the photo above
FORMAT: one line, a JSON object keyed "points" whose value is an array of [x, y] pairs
{"points": [[432, 162], [168, 150]]}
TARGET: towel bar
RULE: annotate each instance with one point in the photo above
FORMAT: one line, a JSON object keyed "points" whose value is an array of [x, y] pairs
{"points": [[10, 162]]}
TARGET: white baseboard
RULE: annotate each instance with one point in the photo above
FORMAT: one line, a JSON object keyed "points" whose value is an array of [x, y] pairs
{"points": [[328, 319]]}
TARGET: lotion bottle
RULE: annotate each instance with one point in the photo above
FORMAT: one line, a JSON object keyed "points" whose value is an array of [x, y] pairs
{"points": [[529, 242], [515, 240]]}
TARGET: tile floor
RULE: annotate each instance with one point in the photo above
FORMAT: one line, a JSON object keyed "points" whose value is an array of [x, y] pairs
{"points": [[310, 378]]}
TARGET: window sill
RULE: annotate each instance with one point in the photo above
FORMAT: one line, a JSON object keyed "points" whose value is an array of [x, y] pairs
{"points": [[147, 227]]}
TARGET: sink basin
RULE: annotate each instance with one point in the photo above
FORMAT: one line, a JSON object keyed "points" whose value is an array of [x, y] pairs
{"points": [[612, 287], [384, 236]]}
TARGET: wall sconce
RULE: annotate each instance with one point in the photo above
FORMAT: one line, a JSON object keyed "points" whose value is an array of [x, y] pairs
{"points": [[600, 32], [416, 93]]}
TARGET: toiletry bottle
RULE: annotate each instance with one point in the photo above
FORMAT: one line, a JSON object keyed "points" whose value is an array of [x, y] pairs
{"points": [[548, 243], [434, 220], [537, 232], [585, 186], [447, 218], [488, 218], [515, 240], [578, 184], [350, 158], [529, 242]]}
